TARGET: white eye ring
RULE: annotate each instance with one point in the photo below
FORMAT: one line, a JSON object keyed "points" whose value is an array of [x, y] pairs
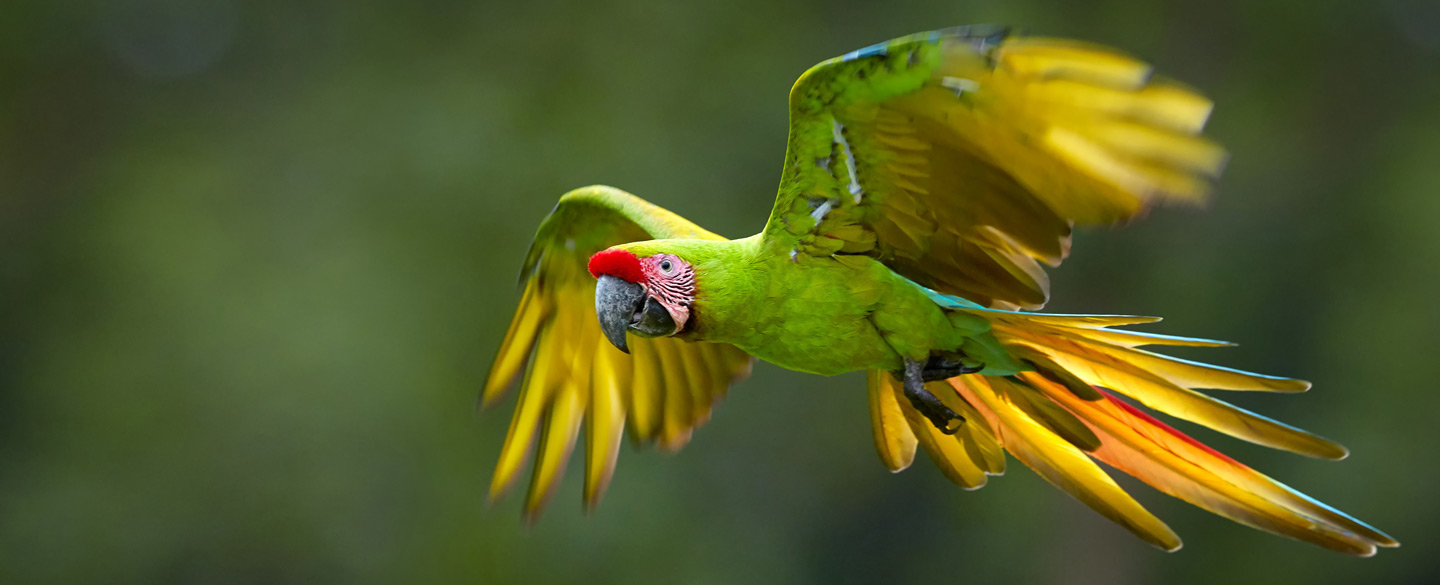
{"points": [[665, 266]]}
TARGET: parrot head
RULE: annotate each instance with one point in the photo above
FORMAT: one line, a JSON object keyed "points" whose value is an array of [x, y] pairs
{"points": [[650, 296]]}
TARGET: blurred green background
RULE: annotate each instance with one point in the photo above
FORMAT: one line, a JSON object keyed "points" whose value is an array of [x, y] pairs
{"points": [[255, 258]]}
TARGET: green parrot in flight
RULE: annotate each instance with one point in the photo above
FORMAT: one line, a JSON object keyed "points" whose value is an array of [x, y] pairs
{"points": [[926, 181]]}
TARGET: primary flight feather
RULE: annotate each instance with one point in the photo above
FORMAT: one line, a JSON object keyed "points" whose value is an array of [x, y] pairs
{"points": [[927, 182]]}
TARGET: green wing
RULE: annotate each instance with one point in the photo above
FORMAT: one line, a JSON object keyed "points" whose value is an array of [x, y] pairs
{"points": [[661, 391], [961, 158]]}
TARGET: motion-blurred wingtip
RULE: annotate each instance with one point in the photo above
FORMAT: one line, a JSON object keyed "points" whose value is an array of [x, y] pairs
{"points": [[529, 517]]}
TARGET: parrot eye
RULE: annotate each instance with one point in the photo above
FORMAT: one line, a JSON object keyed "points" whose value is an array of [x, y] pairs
{"points": [[665, 266]]}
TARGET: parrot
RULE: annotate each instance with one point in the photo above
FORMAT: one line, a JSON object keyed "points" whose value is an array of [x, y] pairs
{"points": [[928, 182]]}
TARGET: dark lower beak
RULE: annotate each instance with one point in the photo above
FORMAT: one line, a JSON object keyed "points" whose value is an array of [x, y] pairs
{"points": [[655, 320], [616, 303]]}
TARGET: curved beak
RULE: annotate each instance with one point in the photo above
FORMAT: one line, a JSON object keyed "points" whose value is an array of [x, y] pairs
{"points": [[655, 320], [617, 303], [623, 306]]}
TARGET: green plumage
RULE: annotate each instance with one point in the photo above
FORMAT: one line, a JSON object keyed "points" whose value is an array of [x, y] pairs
{"points": [[823, 315], [811, 292], [926, 183]]}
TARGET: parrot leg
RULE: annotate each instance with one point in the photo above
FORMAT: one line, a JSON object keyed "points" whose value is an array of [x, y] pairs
{"points": [[946, 366], [928, 404]]}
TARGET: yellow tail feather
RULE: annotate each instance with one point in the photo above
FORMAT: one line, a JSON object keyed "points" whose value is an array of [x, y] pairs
{"points": [[1166, 384], [1058, 424], [893, 438], [1060, 463], [1177, 465]]}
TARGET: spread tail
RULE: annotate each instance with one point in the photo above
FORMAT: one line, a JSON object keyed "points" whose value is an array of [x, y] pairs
{"points": [[1068, 412]]}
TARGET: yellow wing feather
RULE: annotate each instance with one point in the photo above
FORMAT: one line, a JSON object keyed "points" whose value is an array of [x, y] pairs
{"points": [[515, 350], [675, 415], [534, 397], [575, 378], [962, 158], [605, 419], [562, 425], [647, 397]]}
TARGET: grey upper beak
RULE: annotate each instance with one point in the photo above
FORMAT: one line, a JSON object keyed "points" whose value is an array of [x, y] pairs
{"points": [[616, 302]]}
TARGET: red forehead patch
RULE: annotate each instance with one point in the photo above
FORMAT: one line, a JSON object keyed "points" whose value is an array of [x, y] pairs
{"points": [[618, 263]]}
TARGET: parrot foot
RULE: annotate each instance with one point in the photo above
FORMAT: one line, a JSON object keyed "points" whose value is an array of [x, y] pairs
{"points": [[945, 366], [927, 403]]}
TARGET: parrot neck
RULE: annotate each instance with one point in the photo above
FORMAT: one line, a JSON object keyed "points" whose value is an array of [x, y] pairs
{"points": [[730, 281]]}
